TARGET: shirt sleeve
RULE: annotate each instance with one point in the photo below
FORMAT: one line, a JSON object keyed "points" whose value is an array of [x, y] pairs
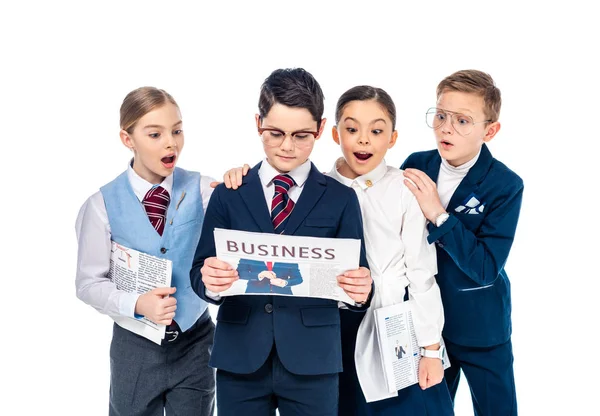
{"points": [[421, 267], [93, 262]]}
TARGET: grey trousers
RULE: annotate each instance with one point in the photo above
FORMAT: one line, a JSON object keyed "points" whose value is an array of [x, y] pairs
{"points": [[147, 379]]}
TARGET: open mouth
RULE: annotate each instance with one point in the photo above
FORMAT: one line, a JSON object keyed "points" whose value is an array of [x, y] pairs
{"points": [[362, 155], [169, 161], [446, 144]]}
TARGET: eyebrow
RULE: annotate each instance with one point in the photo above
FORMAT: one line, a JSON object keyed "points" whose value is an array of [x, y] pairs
{"points": [[158, 126], [270, 126], [372, 122], [460, 110]]}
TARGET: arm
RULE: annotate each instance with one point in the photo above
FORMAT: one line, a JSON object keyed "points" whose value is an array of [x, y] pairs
{"points": [[207, 272], [358, 284], [289, 272], [480, 256]]}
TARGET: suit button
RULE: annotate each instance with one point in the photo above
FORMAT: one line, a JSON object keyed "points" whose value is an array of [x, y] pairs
{"points": [[440, 245], [268, 308], [163, 250]]}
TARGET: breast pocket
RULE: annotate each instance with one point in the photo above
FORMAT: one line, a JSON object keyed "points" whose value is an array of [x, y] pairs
{"points": [[321, 227]]}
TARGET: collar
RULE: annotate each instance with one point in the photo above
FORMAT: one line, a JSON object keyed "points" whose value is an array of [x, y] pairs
{"points": [[266, 172], [141, 186], [461, 170], [364, 181]]}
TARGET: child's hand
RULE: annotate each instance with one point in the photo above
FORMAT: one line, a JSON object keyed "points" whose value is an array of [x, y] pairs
{"points": [[431, 372], [233, 177], [425, 190], [266, 274], [357, 284], [218, 275], [157, 306]]}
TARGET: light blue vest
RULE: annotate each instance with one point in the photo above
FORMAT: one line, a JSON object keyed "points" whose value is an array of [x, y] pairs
{"points": [[131, 227]]}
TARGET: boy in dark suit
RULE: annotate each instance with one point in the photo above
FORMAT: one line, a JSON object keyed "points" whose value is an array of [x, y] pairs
{"points": [[278, 351], [472, 202]]}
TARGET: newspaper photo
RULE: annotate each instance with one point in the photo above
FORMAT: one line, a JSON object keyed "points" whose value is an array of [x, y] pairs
{"points": [[137, 272], [399, 349], [272, 264]]}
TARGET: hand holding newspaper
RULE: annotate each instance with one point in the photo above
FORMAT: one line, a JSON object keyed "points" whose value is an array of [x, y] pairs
{"points": [[137, 272], [398, 342], [272, 264]]}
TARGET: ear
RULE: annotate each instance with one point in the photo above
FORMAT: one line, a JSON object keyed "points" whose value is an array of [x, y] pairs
{"points": [[126, 140], [491, 131], [258, 121], [393, 139], [323, 122], [336, 134]]}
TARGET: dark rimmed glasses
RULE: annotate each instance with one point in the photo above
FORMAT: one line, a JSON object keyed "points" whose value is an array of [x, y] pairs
{"points": [[462, 123], [274, 137]]}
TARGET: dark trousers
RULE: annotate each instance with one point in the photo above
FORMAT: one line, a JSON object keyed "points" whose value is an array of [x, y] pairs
{"points": [[411, 401], [273, 387], [148, 379], [489, 372]]}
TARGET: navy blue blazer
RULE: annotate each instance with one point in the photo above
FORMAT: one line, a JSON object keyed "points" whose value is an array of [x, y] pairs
{"points": [[472, 248], [250, 269], [306, 331]]}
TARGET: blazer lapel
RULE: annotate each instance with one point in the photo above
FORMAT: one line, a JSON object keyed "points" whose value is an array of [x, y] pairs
{"points": [[470, 184], [252, 194], [314, 187], [433, 167]]}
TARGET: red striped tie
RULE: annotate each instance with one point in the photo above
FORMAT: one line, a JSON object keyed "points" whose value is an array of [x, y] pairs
{"points": [[282, 205], [155, 203]]}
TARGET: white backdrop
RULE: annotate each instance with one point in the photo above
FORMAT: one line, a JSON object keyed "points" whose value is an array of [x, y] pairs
{"points": [[67, 66]]}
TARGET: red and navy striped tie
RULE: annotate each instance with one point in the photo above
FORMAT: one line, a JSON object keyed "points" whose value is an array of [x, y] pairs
{"points": [[282, 205], [155, 203]]}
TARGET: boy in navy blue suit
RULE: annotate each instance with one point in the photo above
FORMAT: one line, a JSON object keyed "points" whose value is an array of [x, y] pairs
{"points": [[472, 202], [269, 277], [279, 351]]}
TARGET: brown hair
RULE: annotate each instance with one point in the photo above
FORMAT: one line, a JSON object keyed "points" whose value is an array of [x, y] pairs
{"points": [[140, 102], [475, 82]]}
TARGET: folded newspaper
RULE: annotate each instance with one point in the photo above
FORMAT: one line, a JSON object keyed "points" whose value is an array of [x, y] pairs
{"points": [[272, 264], [399, 349], [137, 272]]}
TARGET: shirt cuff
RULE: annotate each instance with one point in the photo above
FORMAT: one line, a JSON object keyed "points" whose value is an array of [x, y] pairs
{"points": [[212, 295], [127, 302]]}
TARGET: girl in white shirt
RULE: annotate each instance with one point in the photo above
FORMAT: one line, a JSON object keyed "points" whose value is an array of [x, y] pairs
{"points": [[399, 257]]}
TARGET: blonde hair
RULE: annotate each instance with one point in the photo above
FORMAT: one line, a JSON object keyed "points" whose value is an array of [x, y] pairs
{"points": [[475, 82], [140, 102]]}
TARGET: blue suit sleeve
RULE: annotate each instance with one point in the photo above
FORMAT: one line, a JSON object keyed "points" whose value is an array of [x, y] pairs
{"points": [[249, 269], [351, 226], [482, 255], [216, 217], [289, 272]]}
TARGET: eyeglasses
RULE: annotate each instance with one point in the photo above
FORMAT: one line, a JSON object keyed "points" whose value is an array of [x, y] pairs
{"points": [[274, 137], [463, 124]]}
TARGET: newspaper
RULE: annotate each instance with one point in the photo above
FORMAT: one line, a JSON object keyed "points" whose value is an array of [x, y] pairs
{"points": [[272, 264], [399, 349], [137, 272]]}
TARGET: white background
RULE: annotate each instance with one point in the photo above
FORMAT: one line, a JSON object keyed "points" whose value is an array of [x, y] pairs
{"points": [[65, 68]]}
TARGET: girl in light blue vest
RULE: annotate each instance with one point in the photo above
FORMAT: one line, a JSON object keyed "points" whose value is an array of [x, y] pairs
{"points": [[158, 209]]}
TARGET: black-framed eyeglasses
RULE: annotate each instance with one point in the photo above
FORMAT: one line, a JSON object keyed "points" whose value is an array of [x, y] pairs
{"points": [[274, 137], [462, 123]]}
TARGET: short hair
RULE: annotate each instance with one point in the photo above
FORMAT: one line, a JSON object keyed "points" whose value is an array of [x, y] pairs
{"points": [[140, 102], [365, 93], [292, 87], [475, 82]]}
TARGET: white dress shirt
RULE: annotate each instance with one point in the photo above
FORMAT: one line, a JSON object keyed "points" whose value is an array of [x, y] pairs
{"points": [[450, 177], [94, 240], [399, 256]]}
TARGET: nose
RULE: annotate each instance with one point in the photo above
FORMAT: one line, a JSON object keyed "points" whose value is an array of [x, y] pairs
{"points": [[170, 140], [447, 127], [288, 143], [363, 138]]}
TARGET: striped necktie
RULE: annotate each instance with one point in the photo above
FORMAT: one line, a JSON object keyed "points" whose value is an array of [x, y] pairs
{"points": [[155, 203], [282, 205]]}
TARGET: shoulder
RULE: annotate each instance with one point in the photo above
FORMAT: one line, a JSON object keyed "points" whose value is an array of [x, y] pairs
{"points": [[501, 173], [417, 159]]}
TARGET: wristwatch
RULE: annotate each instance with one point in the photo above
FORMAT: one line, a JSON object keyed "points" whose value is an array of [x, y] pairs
{"points": [[441, 219], [434, 354]]}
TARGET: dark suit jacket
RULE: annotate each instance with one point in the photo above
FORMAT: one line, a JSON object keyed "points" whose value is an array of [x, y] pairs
{"points": [[306, 331], [249, 270], [472, 248]]}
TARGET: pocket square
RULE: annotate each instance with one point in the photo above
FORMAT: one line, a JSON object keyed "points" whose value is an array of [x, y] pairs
{"points": [[471, 205]]}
